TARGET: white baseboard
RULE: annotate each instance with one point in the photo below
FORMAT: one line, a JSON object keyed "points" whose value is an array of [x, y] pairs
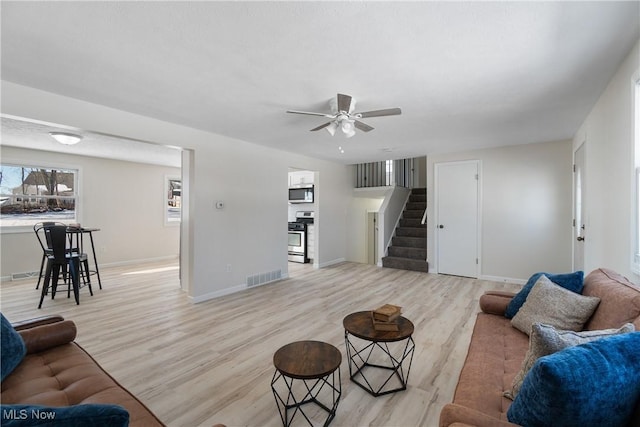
{"points": [[138, 261], [218, 294], [231, 290], [503, 279], [328, 263], [172, 258]]}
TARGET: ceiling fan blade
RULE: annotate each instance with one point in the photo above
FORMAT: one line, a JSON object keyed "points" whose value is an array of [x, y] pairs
{"points": [[320, 127], [362, 126], [379, 113], [344, 103], [311, 114]]}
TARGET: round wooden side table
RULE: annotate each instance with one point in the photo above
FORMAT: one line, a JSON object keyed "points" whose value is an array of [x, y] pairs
{"points": [[378, 352], [306, 373]]}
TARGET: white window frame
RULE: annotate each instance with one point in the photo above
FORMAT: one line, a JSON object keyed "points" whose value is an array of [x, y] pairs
{"points": [[389, 173], [46, 165], [170, 221], [635, 249], [635, 265]]}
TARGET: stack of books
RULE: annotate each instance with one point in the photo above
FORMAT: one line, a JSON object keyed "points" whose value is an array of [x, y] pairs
{"points": [[385, 318]]}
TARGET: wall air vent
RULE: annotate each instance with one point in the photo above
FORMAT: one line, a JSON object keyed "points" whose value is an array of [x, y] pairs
{"points": [[262, 278]]}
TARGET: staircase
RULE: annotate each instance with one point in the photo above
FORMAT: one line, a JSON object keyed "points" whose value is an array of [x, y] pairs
{"points": [[408, 250]]}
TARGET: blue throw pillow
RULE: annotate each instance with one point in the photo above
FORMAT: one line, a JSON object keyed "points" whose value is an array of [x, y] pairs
{"points": [[593, 384], [94, 415], [571, 281], [12, 348]]}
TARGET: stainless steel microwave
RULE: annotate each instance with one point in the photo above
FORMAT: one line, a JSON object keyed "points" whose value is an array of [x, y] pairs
{"points": [[302, 193]]}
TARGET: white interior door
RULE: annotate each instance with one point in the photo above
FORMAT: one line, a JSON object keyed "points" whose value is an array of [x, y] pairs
{"points": [[579, 186], [457, 214]]}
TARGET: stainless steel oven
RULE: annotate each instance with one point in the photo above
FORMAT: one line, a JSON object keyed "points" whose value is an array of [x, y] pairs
{"points": [[299, 238], [298, 242]]}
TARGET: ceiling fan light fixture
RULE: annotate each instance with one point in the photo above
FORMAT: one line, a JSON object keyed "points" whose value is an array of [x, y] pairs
{"points": [[65, 138], [348, 128], [332, 128], [344, 117]]}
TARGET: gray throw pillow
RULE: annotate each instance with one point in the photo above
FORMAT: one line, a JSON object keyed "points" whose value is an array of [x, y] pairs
{"points": [[546, 339], [553, 305]]}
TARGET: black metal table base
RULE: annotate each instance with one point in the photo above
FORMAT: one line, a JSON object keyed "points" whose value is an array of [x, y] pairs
{"points": [[359, 362], [292, 406]]}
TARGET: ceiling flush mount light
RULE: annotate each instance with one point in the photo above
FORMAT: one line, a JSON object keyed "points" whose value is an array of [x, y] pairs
{"points": [[65, 137]]}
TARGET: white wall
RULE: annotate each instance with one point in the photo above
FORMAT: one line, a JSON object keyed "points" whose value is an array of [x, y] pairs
{"points": [[124, 200], [608, 132], [526, 208], [333, 194], [364, 200], [420, 165], [390, 211], [249, 235]]}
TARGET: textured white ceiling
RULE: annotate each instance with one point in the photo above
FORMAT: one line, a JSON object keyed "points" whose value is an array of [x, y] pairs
{"points": [[18, 132], [466, 74]]}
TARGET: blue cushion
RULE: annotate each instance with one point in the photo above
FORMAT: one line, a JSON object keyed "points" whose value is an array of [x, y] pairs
{"points": [[12, 348], [593, 384], [571, 281], [66, 416]]}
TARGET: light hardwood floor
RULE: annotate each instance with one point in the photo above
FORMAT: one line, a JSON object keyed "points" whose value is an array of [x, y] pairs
{"points": [[198, 364]]}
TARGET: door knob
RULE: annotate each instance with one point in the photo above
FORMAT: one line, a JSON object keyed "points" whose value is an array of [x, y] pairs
{"points": [[441, 226], [580, 239]]}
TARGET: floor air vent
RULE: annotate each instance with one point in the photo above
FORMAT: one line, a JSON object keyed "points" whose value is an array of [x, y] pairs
{"points": [[26, 275], [262, 278]]}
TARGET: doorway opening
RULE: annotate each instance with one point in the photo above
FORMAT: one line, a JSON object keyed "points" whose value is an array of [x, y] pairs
{"points": [[302, 218], [125, 178]]}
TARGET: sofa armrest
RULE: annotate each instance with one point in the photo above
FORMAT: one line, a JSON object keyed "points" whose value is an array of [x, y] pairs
{"points": [[455, 415], [495, 302], [37, 321], [46, 336]]}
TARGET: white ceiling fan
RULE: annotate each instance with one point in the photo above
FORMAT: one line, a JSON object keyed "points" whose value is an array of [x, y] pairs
{"points": [[343, 116]]}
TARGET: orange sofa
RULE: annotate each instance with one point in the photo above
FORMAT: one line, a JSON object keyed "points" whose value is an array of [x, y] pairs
{"points": [[497, 350], [57, 372]]}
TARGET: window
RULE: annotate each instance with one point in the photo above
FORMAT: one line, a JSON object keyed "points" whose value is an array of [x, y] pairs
{"points": [[31, 194], [173, 195], [389, 172]]}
